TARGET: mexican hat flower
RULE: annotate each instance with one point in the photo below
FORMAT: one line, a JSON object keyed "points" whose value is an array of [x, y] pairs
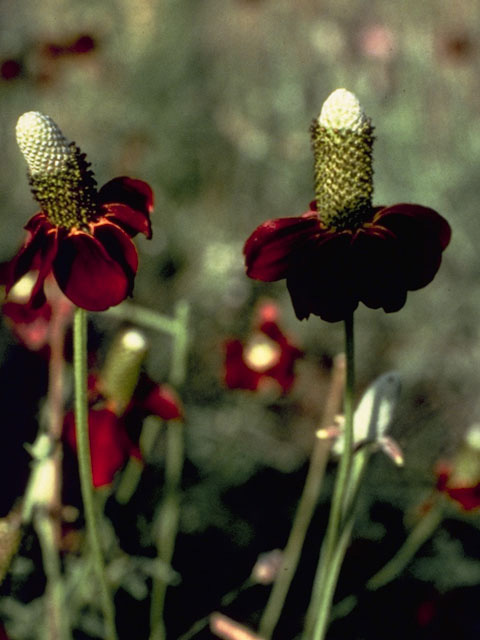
{"points": [[267, 356], [83, 236], [344, 250]]}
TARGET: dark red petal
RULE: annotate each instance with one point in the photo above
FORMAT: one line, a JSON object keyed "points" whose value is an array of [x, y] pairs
{"points": [[110, 446], [237, 374], [378, 273], [422, 235], [129, 203], [467, 497], [37, 253], [163, 402], [31, 326], [269, 250], [96, 272], [283, 372], [320, 281]]}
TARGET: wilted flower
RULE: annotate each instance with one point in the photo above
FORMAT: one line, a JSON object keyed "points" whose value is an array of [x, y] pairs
{"points": [[267, 354], [344, 250], [81, 236]]}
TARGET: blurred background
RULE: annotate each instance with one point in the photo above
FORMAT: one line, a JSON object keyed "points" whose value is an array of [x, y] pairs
{"points": [[210, 101]]}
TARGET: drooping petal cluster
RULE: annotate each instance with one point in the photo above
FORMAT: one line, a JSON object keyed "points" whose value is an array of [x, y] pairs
{"points": [[343, 250], [268, 355], [329, 272], [81, 236]]}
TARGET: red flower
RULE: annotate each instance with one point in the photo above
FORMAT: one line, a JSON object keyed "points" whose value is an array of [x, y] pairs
{"points": [[32, 325], [329, 271], [110, 442], [81, 235], [466, 494], [268, 355], [94, 264]]}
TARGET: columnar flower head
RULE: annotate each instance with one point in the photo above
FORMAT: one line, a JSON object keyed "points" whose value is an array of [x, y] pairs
{"points": [[344, 250], [82, 235]]}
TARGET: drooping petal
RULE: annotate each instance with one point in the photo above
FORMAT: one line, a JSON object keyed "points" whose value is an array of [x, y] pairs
{"points": [[156, 400], [110, 445], [96, 271], [31, 326], [320, 281], [269, 249], [129, 204], [422, 235], [237, 374], [467, 497], [284, 371], [36, 254], [378, 275]]}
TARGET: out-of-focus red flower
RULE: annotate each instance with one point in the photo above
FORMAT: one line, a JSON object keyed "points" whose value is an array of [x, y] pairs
{"points": [[82, 236], [266, 356], [377, 41], [111, 444], [462, 492], [79, 45], [30, 325], [10, 69], [329, 271]]}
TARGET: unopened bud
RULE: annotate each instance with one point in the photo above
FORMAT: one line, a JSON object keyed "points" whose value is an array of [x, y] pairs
{"points": [[267, 566], [122, 367]]}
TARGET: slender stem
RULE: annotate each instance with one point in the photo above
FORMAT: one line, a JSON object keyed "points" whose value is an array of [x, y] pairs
{"points": [[145, 317], [419, 534], [321, 598], [167, 522], [167, 518], [422, 531], [56, 618], [46, 518], [306, 505], [85, 466]]}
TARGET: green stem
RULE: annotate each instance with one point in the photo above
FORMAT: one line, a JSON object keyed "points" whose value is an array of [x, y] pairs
{"points": [[417, 537], [422, 531], [168, 516], [57, 613], [145, 317], [320, 602], [306, 506], [85, 466]]}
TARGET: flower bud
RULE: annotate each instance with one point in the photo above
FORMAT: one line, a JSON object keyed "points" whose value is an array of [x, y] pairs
{"points": [[122, 366]]}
